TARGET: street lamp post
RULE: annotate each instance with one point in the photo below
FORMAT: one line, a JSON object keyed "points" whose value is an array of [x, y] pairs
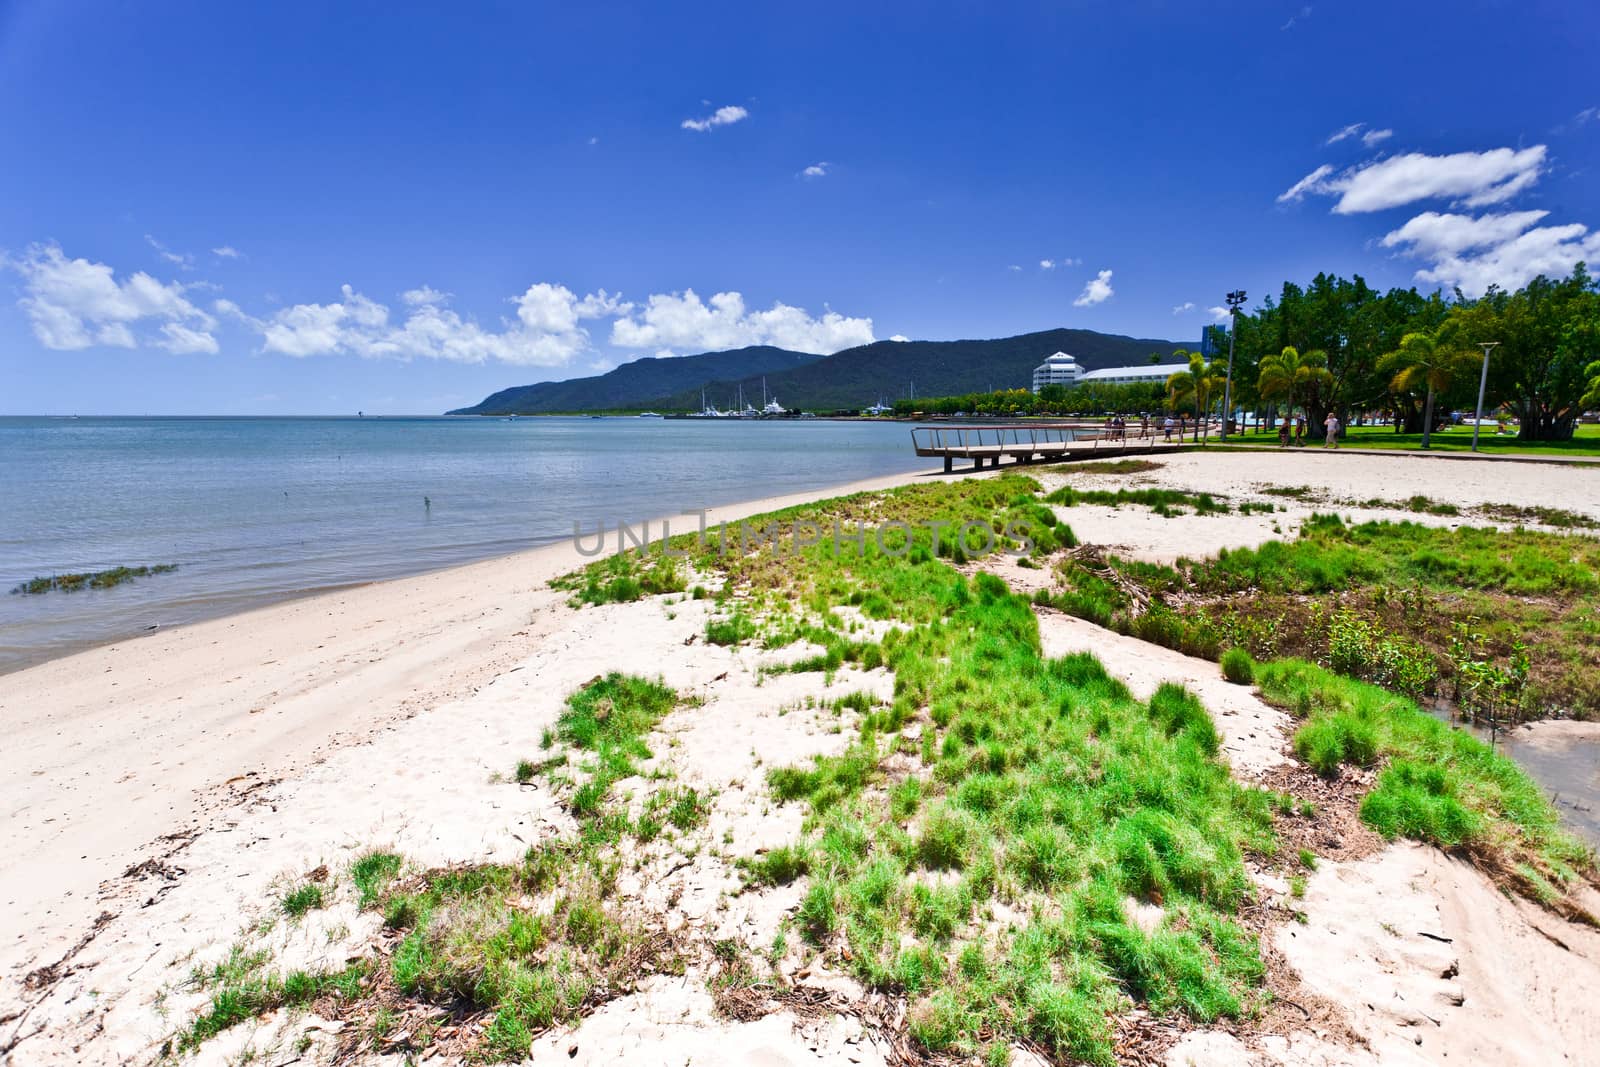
{"points": [[1235, 301], [1483, 380]]}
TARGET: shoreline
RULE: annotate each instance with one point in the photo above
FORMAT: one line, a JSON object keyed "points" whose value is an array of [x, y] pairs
{"points": [[172, 722]]}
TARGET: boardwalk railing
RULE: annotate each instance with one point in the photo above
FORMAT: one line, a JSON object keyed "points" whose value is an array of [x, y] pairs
{"points": [[1034, 443]]}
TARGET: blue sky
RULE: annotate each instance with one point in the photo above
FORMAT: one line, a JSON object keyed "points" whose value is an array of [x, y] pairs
{"points": [[319, 208]]}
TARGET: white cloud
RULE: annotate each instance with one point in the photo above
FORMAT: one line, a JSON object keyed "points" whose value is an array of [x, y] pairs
{"points": [[594, 141], [424, 294], [1344, 133], [1219, 313], [1186, 306], [1431, 234], [181, 260], [1474, 179], [1047, 264], [1311, 183], [1303, 13], [1064, 261], [816, 170], [226, 252], [1015, 268], [1097, 291], [900, 337], [547, 330], [74, 304], [1372, 137], [723, 116], [683, 320], [1500, 249]]}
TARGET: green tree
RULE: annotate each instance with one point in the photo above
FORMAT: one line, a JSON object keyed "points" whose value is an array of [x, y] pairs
{"points": [[1426, 362], [1195, 388], [1295, 379]]}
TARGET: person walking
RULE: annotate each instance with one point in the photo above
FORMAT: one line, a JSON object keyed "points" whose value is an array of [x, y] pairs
{"points": [[1167, 427], [1332, 424], [1300, 430], [1284, 429]]}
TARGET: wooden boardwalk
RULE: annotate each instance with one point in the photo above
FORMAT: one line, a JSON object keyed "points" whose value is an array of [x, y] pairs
{"points": [[1036, 443]]}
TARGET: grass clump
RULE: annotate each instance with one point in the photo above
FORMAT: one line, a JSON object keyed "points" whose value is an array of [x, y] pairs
{"points": [[1238, 667], [372, 874], [1164, 502], [243, 988], [1436, 784], [610, 718], [302, 899], [624, 577], [733, 630]]}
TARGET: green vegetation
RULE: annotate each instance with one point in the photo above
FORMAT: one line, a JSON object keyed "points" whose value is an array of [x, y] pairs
{"points": [[72, 583], [1115, 466], [1505, 622], [1583, 444], [610, 718], [1164, 502], [1436, 784], [242, 988], [1238, 667], [613, 580], [372, 873], [302, 899], [1355, 345]]}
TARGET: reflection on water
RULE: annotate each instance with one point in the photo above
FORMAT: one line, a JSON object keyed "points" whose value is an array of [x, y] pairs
{"points": [[1563, 757]]}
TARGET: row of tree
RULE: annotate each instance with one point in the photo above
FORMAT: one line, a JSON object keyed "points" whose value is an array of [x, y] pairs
{"points": [[1340, 346]]}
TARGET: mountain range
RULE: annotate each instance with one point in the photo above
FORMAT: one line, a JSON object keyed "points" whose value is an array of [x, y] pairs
{"points": [[851, 379]]}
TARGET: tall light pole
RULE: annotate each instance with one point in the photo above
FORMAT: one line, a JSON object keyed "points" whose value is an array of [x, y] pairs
{"points": [[1235, 301], [1483, 380]]}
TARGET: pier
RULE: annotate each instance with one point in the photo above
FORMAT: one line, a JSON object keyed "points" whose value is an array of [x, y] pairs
{"points": [[1037, 442]]}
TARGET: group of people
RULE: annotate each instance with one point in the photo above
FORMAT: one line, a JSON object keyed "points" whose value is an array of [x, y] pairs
{"points": [[1296, 427]]}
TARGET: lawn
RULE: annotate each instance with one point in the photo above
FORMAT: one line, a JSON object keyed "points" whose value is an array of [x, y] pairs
{"points": [[1585, 442]]}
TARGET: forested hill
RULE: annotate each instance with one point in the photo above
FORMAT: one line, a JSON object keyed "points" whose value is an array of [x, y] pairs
{"points": [[631, 384], [853, 378]]}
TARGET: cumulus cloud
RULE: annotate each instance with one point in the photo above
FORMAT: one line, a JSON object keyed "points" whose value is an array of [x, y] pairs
{"points": [[1432, 234], [1504, 249], [547, 330], [816, 170], [1047, 264], [1473, 179], [683, 320], [723, 116], [1064, 261], [226, 252], [900, 337], [74, 303], [1219, 313], [1186, 306], [1096, 291]]}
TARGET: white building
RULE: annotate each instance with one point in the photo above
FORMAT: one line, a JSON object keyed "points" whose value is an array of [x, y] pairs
{"points": [[1145, 373], [1059, 369]]}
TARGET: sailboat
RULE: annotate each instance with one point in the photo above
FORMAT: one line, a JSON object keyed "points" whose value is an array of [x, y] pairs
{"points": [[773, 409], [880, 408], [745, 411], [707, 411]]}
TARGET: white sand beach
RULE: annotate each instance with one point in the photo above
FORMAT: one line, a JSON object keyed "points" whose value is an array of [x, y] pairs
{"points": [[159, 789]]}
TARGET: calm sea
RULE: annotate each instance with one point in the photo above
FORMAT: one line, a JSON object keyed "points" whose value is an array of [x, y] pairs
{"points": [[256, 510]]}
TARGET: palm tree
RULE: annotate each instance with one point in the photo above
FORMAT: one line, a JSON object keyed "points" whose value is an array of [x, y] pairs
{"points": [[1292, 377], [1428, 361], [1196, 385]]}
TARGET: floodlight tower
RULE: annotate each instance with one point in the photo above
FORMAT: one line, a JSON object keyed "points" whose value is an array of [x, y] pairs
{"points": [[1235, 302]]}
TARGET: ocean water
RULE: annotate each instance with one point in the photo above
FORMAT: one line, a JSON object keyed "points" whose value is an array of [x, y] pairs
{"points": [[257, 510]]}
